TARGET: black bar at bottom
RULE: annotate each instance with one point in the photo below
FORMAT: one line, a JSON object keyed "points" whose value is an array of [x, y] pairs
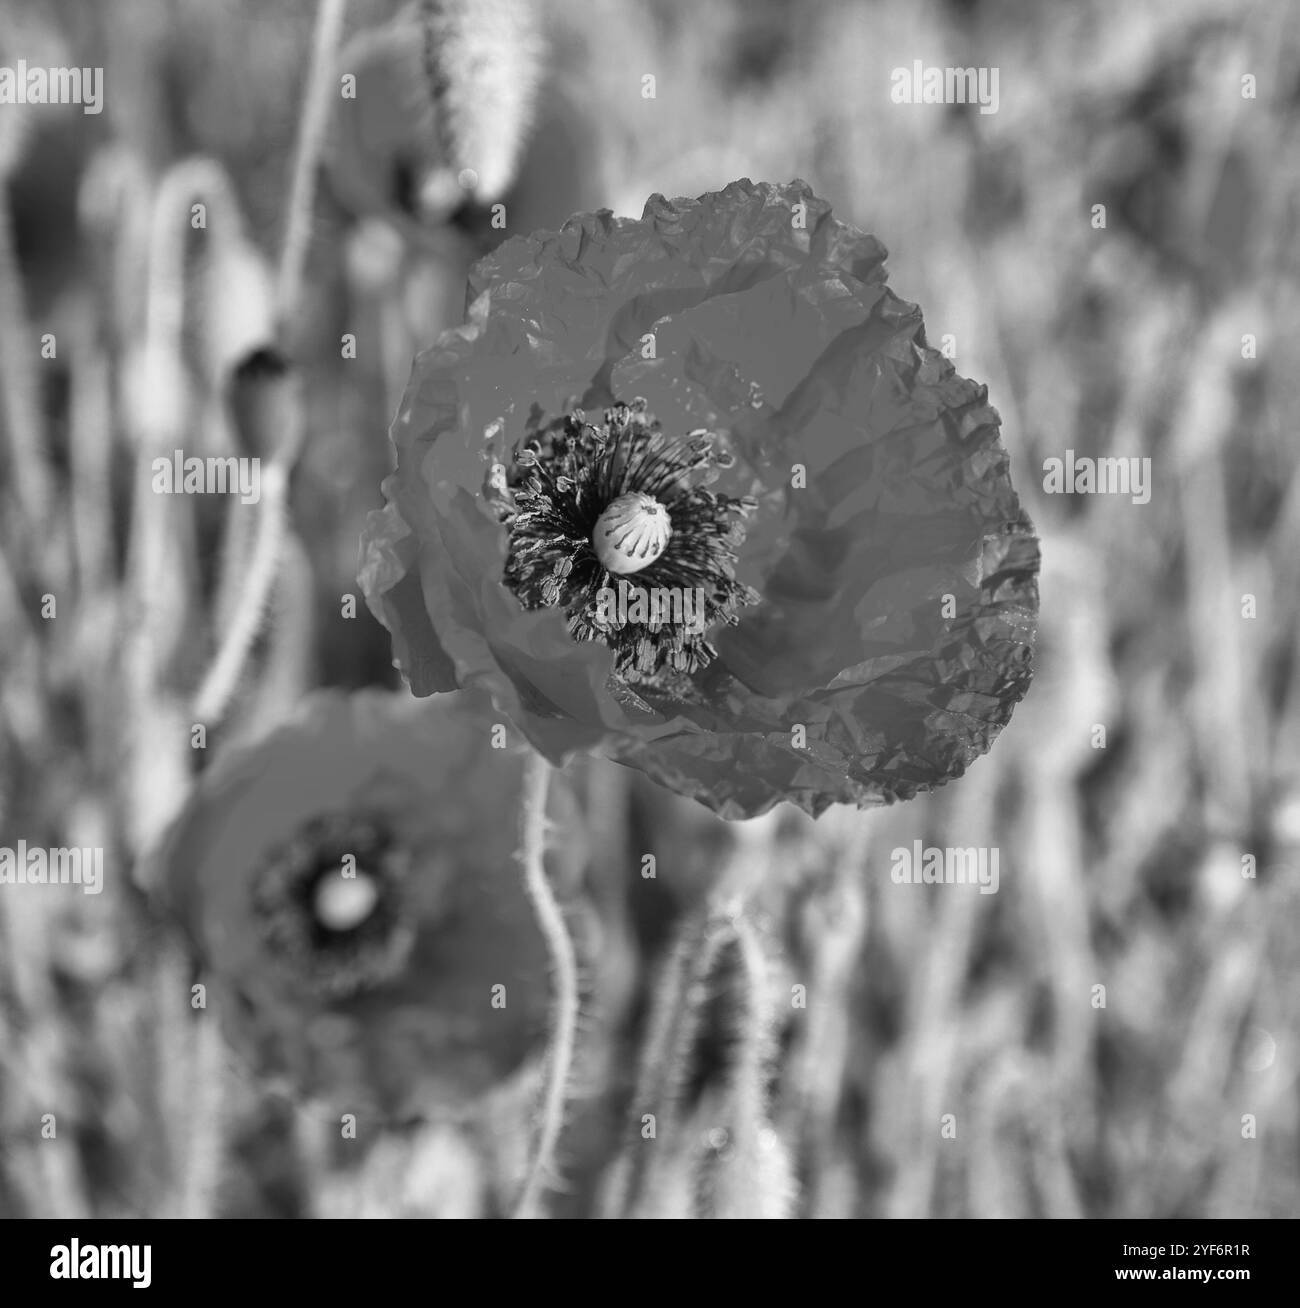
{"points": [[491, 1258]]}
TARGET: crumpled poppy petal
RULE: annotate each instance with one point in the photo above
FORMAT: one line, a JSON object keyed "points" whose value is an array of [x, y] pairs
{"points": [[894, 569]]}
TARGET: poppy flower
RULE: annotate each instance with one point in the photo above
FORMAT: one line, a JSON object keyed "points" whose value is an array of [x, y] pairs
{"points": [[350, 887], [721, 401]]}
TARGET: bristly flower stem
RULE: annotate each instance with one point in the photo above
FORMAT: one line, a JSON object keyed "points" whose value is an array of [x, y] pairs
{"points": [[564, 965], [222, 678], [311, 136]]}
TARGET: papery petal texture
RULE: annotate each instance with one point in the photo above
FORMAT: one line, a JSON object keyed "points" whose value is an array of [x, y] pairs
{"points": [[895, 570]]}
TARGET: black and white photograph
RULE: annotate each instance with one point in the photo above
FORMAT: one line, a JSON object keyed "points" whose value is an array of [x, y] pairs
{"points": [[650, 609]]}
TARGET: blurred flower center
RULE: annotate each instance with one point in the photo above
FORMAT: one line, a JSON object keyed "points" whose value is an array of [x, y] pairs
{"points": [[342, 902], [331, 904], [590, 503]]}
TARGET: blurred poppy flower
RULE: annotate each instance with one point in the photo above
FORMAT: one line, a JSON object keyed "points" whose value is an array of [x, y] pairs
{"points": [[350, 886], [721, 398]]}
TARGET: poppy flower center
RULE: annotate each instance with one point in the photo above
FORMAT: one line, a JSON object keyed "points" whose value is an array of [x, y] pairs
{"points": [[330, 903], [631, 534], [342, 903], [590, 504]]}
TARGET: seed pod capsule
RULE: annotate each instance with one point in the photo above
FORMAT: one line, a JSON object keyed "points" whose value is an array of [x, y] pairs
{"points": [[631, 533]]}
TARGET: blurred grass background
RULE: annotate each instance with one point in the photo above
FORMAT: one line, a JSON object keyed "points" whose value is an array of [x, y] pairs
{"points": [[1120, 866]]}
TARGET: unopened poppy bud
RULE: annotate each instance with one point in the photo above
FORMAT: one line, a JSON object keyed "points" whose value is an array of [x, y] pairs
{"points": [[265, 402]]}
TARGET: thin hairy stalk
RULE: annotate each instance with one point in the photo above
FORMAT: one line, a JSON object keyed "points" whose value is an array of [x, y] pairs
{"points": [[162, 562], [266, 403], [223, 674], [287, 673], [194, 179], [113, 221], [238, 539], [204, 1144], [222, 677], [317, 100], [834, 921], [564, 967]]}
